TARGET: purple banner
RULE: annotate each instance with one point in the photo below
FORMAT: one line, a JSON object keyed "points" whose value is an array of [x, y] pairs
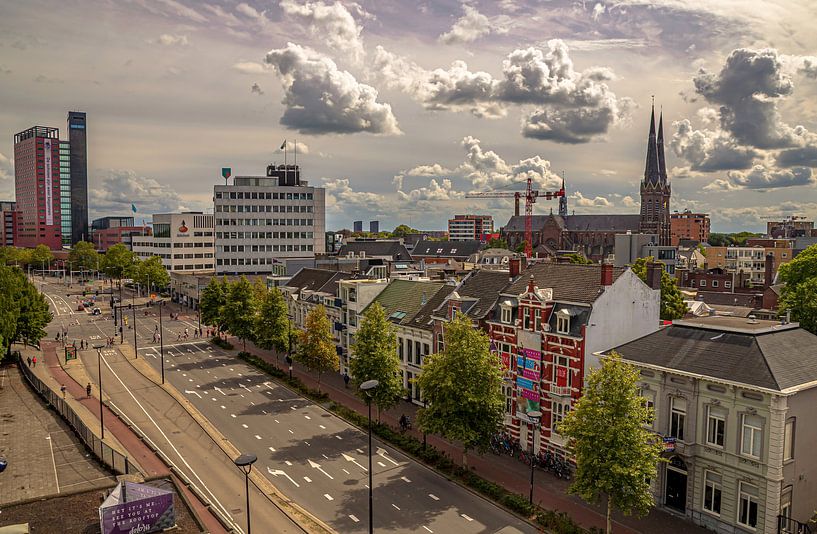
{"points": [[532, 375], [146, 509], [530, 395], [531, 354]]}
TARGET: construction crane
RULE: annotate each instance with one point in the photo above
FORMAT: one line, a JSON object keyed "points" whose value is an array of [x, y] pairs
{"points": [[530, 198]]}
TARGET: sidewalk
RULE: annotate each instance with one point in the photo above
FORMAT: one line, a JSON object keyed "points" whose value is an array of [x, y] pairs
{"points": [[549, 491], [151, 465]]}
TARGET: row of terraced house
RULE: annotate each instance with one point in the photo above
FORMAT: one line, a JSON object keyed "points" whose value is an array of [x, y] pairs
{"points": [[731, 396]]}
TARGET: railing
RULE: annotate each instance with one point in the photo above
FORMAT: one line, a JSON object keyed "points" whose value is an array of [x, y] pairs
{"points": [[118, 463], [787, 525], [562, 391]]}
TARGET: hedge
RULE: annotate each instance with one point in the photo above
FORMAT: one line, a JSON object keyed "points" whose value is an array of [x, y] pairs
{"points": [[223, 343]]}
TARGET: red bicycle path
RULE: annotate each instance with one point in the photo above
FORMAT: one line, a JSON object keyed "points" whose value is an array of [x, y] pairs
{"points": [[137, 449]]}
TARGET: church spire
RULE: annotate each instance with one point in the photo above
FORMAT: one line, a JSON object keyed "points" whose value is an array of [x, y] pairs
{"points": [[662, 166], [563, 199], [652, 173]]}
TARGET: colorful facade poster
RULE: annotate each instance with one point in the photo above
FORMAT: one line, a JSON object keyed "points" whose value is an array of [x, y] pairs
{"points": [[529, 373], [139, 508], [49, 184]]}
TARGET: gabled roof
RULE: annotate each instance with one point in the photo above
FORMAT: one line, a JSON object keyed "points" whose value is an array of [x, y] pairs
{"points": [[603, 223], [446, 249], [392, 248], [482, 288], [777, 358], [402, 300], [319, 280], [570, 282], [423, 317], [517, 222]]}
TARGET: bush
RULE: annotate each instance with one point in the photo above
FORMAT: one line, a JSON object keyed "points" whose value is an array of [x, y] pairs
{"points": [[224, 344]]}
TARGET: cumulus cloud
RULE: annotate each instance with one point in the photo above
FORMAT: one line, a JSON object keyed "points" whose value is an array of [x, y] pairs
{"points": [[808, 67], [630, 202], [571, 106], [333, 22], [763, 178], [585, 202], [117, 189], [709, 150], [249, 67], [341, 198], [487, 170], [470, 27], [793, 157], [748, 89], [256, 89], [6, 168], [167, 39], [320, 98], [434, 191], [428, 170]]}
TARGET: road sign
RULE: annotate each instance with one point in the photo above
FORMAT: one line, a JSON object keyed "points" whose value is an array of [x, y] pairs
{"points": [[226, 172], [70, 353]]}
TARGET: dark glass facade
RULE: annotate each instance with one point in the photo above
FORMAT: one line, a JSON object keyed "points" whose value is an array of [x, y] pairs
{"points": [[79, 176]]}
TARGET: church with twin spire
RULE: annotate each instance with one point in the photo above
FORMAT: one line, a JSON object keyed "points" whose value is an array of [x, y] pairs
{"points": [[594, 235]]}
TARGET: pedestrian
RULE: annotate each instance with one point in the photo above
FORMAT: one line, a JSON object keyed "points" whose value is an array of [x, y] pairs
{"points": [[88, 390], [62, 390], [345, 379], [34, 361], [29, 361]]}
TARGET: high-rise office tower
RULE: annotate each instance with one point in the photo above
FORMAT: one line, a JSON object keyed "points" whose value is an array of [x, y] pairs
{"points": [[65, 193], [79, 176], [37, 187]]}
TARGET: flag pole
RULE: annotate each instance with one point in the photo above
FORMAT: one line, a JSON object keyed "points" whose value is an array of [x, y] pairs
{"points": [[296, 160]]}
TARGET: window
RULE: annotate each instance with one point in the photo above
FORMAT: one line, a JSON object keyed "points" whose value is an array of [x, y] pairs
{"points": [[715, 426], [678, 412], [506, 314], [562, 323], [788, 440], [400, 348], [714, 283], [525, 318], [712, 492], [703, 283], [747, 505], [751, 426], [727, 284], [560, 410]]}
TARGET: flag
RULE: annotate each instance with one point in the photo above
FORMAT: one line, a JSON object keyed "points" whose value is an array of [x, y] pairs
{"points": [[133, 208], [283, 145]]}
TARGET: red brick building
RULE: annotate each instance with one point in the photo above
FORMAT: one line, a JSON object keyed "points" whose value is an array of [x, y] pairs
{"points": [[37, 187], [688, 225]]}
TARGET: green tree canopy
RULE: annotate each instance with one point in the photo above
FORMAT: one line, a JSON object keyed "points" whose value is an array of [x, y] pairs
{"points": [[212, 301], [15, 256], [271, 323], [316, 348], [578, 258], [118, 261], [375, 358], [496, 242], [41, 256], [151, 272], [672, 301], [84, 256], [240, 310], [799, 294], [9, 306], [616, 455], [463, 387], [404, 230], [34, 313]]}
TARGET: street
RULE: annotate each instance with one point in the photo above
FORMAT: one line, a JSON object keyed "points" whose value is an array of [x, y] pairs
{"points": [[310, 455]]}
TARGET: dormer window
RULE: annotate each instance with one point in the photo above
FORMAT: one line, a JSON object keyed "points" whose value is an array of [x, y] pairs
{"points": [[506, 314], [562, 323], [526, 318]]}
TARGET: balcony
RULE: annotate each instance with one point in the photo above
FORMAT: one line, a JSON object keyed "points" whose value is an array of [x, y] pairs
{"points": [[563, 391]]}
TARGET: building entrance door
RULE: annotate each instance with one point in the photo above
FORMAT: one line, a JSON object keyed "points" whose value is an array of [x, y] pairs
{"points": [[675, 495]]}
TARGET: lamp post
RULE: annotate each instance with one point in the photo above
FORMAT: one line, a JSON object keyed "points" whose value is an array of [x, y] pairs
{"points": [[198, 303], [533, 417], [366, 387], [289, 345], [99, 371], [162, 340], [135, 349], [244, 462]]}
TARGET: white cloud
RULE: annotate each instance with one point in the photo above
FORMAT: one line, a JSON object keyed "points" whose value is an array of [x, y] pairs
{"points": [[434, 191], [470, 27], [227, 18], [710, 150], [6, 171], [586, 202], [250, 67], [487, 170], [172, 8], [303, 148], [762, 178], [249, 11], [332, 22], [117, 189], [428, 170], [630, 202], [319, 98], [342, 199], [167, 39]]}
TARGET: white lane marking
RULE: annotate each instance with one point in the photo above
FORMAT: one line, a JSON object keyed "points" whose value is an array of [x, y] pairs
{"points": [[214, 399], [257, 436], [338, 436], [381, 464], [383, 454], [264, 412], [350, 459], [395, 506], [307, 417], [290, 431], [322, 427], [405, 479], [276, 420], [223, 407], [360, 451], [196, 393], [428, 529], [328, 497], [467, 518], [316, 465], [272, 449], [287, 462], [308, 479], [345, 471], [232, 415], [53, 461], [325, 456], [433, 496], [291, 407], [353, 518], [244, 425], [281, 472]]}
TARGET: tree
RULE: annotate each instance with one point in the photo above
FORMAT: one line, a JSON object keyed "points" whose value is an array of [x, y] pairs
{"points": [[84, 256], [316, 349], [616, 454], [118, 261], [240, 310], [520, 247], [9, 308], [212, 301], [799, 294], [41, 256], [151, 272], [496, 242], [375, 358], [404, 230], [463, 387], [271, 323], [672, 301], [578, 258], [34, 314], [15, 256]]}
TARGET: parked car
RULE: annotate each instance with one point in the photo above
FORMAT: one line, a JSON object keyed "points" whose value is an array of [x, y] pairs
{"points": [[96, 311]]}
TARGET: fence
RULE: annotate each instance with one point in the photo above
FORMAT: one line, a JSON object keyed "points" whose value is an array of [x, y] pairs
{"points": [[118, 463]]}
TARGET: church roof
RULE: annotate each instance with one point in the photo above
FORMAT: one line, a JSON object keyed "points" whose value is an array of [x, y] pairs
{"points": [[517, 222], [603, 223]]}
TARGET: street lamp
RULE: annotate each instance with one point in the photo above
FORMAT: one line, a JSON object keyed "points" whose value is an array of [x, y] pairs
{"points": [[133, 306], [99, 371], [198, 302], [162, 340], [367, 387], [289, 345], [533, 417], [244, 462]]}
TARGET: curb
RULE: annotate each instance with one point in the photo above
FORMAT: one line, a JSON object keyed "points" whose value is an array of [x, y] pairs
{"points": [[293, 510]]}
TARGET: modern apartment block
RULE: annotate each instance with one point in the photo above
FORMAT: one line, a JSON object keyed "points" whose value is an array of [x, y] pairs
{"points": [[469, 227], [184, 241], [78, 176], [261, 221], [37, 187], [688, 225], [734, 401], [10, 215], [751, 261]]}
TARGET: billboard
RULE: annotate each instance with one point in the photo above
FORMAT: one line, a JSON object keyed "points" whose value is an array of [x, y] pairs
{"points": [[528, 379], [137, 508], [49, 184]]}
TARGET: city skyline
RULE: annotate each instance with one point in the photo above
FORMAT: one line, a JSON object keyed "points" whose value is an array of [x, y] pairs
{"points": [[429, 103]]}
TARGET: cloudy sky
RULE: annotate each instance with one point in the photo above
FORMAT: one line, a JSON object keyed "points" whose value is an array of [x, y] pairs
{"points": [[401, 108]]}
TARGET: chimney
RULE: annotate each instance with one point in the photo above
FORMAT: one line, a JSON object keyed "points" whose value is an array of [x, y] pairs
{"points": [[769, 273], [606, 274], [531, 285], [515, 264], [654, 271]]}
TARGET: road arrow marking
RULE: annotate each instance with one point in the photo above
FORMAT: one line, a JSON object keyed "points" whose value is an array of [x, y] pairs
{"points": [[350, 459], [382, 453], [219, 390], [316, 465], [196, 393], [278, 472]]}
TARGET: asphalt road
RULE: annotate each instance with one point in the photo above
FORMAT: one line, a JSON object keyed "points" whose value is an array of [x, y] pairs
{"points": [[312, 456]]}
